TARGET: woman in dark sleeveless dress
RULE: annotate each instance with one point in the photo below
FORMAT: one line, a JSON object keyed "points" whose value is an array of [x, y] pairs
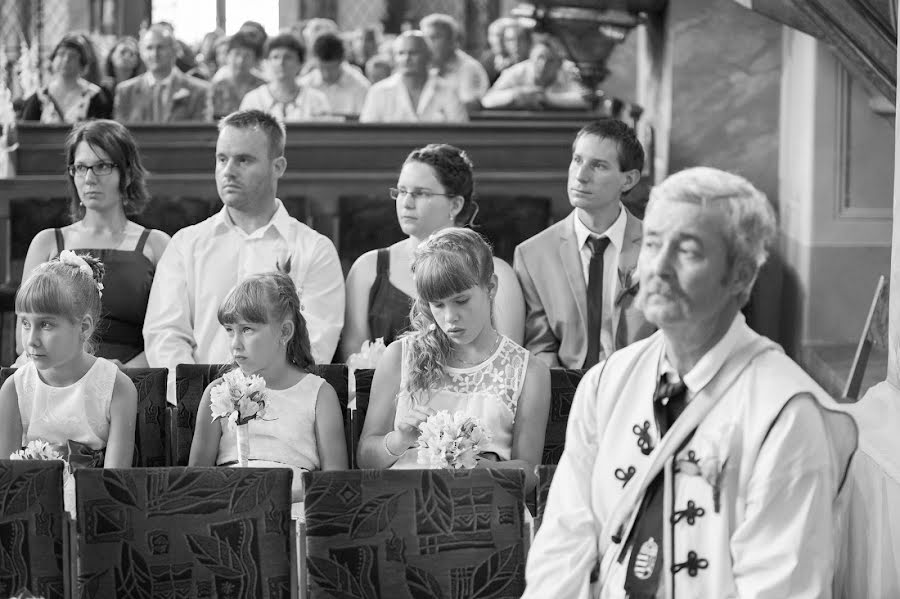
{"points": [[434, 191], [106, 181]]}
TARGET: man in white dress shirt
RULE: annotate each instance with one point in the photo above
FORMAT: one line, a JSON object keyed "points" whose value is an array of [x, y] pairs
{"points": [[253, 233], [701, 461], [343, 84], [412, 93], [461, 71]]}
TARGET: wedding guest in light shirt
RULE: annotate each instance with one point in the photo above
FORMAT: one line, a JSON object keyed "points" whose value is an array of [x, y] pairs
{"points": [[282, 96], [344, 85], [412, 93], [226, 93], [253, 233], [543, 81], [461, 71]]}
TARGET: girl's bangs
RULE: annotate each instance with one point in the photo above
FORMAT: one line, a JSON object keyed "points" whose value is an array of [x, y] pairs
{"points": [[246, 303], [43, 294], [444, 275]]}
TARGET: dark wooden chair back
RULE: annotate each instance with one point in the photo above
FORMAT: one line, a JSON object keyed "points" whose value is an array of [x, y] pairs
{"points": [[192, 379], [418, 533], [33, 553], [183, 532], [563, 382]]}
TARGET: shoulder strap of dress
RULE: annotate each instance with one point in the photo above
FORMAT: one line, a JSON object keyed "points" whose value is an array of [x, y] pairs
{"points": [[383, 263], [142, 240], [60, 242]]}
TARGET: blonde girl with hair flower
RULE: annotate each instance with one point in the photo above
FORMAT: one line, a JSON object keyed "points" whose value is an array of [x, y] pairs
{"points": [[63, 394], [455, 360], [302, 428]]}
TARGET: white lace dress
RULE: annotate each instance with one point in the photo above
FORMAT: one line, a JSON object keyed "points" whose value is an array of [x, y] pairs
{"points": [[489, 391], [77, 412]]}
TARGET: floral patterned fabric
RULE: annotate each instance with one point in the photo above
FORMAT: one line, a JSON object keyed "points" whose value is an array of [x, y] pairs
{"points": [[545, 477], [489, 391], [32, 552], [415, 533], [183, 532]]}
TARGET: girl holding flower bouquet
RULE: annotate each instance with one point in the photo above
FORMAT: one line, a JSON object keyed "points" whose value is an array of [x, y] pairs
{"points": [[63, 395], [293, 416], [453, 361]]}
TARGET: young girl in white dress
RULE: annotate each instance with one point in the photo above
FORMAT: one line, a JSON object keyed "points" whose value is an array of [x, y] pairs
{"points": [[83, 405], [455, 360], [303, 428]]}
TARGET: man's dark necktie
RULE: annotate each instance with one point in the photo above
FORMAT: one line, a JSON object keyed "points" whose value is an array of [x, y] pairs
{"points": [[595, 299], [646, 561]]}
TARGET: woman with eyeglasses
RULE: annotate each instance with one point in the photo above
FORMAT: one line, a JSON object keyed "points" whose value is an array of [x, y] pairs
{"points": [[434, 191], [106, 185]]}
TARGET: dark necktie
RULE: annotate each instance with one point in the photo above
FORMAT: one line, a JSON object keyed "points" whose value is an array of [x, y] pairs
{"points": [[646, 561], [595, 299]]}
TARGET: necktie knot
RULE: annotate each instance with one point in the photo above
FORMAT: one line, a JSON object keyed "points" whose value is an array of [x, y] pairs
{"points": [[597, 245], [668, 390]]}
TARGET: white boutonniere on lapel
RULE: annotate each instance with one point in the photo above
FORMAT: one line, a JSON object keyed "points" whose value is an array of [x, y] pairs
{"points": [[705, 459], [628, 284], [181, 94]]}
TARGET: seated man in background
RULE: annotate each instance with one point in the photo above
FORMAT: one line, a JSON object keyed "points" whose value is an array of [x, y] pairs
{"points": [[736, 489], [283, 96], [412, 93], [543, 81], [253, 233], [461, 71], [227, 92], [578, 276], [344, 86], [163, 94]]}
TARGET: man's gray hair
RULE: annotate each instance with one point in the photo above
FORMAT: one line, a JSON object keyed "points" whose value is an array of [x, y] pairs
{"points": [[749, 225]]}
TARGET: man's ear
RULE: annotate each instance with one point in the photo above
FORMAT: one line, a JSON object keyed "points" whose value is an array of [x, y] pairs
{"points": [[631, 179], [743, 277], [279, 165]]}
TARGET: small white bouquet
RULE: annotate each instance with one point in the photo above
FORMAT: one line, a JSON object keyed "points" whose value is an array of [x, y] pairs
{"points": [[452, 441], [37, 450], [368, 355], [239, 399]]}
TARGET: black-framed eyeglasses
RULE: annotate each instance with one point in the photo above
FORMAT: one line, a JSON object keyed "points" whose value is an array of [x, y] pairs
{"points": [[100, 169], [416, 194]]}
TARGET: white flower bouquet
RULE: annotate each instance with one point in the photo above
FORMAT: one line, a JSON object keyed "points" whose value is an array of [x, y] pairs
{"points": [[452, 441], [368, 355], [239, 399], [37, 450]]}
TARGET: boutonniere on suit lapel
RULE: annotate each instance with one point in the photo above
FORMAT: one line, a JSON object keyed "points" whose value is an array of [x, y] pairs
{"points": [[181, 94], [628, 284]]}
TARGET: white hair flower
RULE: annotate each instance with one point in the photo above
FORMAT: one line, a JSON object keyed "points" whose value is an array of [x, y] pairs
{"points": [[72, 259]]}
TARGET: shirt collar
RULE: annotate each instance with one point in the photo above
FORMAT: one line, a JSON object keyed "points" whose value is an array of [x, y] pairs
{"points": [[615, 232], [712, 361], [281, 222], [165, 81]]}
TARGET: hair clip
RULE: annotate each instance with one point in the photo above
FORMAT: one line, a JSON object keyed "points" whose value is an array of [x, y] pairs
{"points": [[432, 327]]}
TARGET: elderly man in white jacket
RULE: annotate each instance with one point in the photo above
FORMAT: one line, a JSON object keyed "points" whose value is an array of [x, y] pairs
{"points": [[700, 462]]}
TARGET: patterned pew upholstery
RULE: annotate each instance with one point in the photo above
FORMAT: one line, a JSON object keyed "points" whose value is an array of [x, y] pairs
{"points": [[183, 532], [33, 551], [192, 379], [415, 533], [358, 416], [545, 474], [563, 382], [151, 429]]}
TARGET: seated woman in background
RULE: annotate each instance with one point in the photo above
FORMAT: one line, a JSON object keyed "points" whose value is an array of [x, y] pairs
{"points": [[227, 92], [69, 97], [106, 182], [122, 63], [303, 428], [455, 360], [434, 191]]}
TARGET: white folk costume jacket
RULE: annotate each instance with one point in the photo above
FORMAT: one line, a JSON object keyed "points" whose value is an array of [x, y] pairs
{"points": [[753, 468]]}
